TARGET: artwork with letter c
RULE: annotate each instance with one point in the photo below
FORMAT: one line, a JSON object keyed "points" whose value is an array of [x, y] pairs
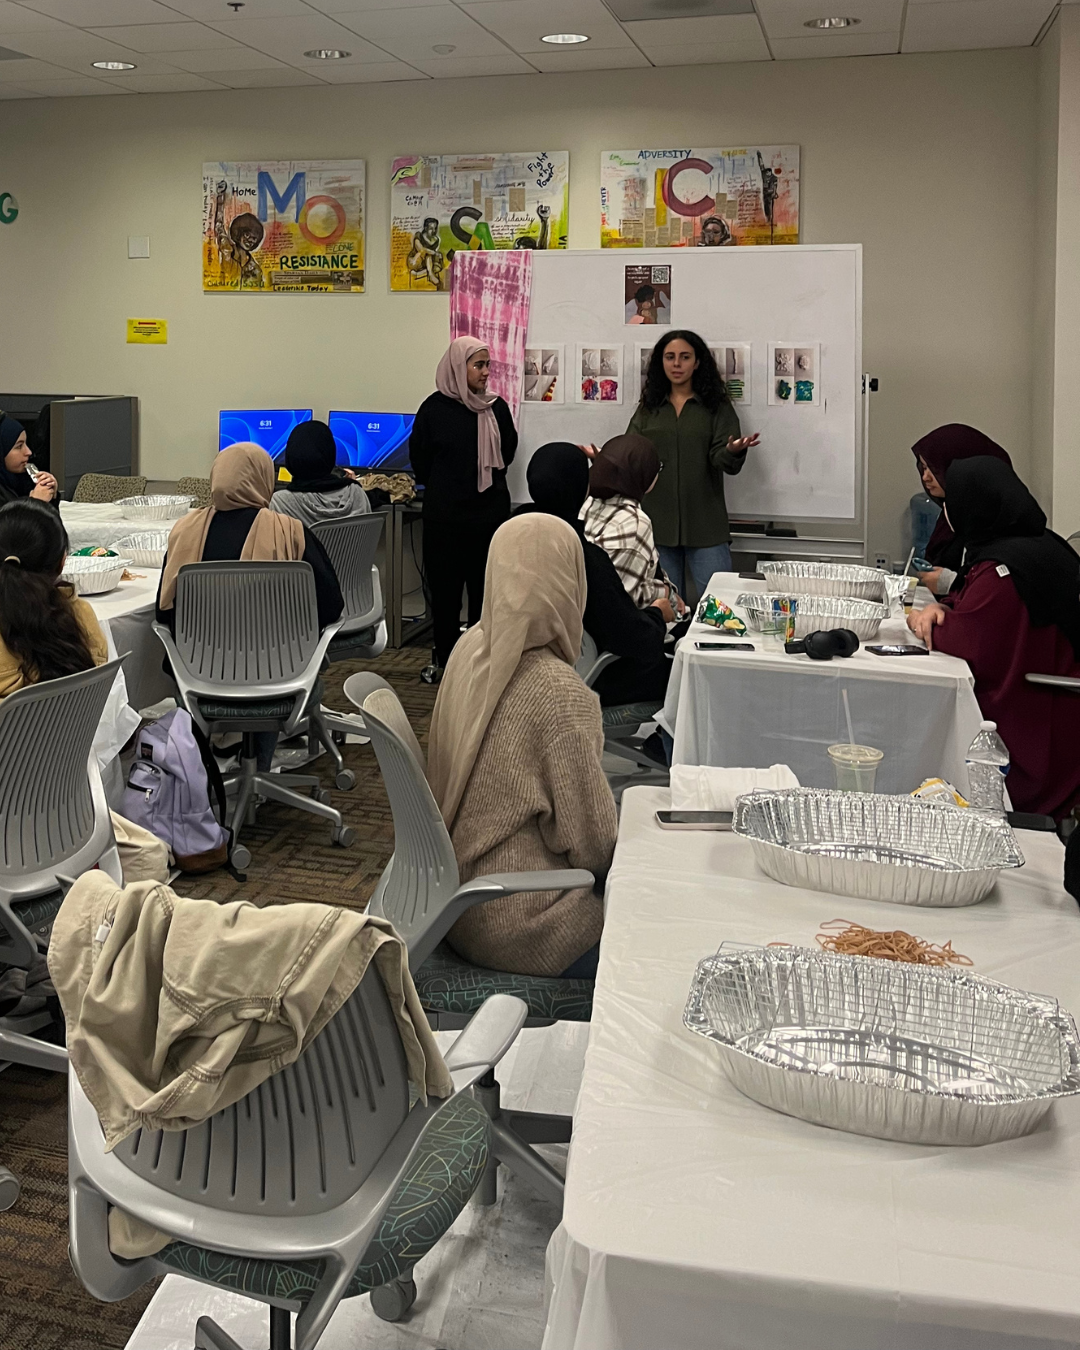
{"points": [[284, 225], [441, 205], [699, 198]]}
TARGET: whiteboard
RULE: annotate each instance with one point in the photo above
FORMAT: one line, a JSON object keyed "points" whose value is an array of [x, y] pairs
{"points": [[810, 463]]}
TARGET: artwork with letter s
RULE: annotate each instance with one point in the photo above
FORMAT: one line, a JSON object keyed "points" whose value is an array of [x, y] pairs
{"points": [[284, 225], [446, 204], [699, 198]]}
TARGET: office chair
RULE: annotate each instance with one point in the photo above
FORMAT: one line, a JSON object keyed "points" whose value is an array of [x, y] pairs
{"points": [[621, 722], [107, 487], [198, 489]]}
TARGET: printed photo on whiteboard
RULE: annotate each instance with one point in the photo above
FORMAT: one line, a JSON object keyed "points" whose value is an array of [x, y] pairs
{"points": [[733, 360], [647, 293], [600, 374], [793, 374], [644, 351], [543, 375]]}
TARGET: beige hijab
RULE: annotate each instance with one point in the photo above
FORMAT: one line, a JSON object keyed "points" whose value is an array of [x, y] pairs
{"points": [[242, 476], [534, 596], [452, 380]]}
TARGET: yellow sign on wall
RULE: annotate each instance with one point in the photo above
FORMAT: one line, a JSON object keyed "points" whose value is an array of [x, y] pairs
{"points": [[148, 331]]}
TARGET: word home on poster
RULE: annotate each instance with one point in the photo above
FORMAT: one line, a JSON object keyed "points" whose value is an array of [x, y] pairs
{"points": [[284, 226], [734, 361], [600, 374], [442, 204], [544, 375], [647, 294], [717, 198], [794, 375]]}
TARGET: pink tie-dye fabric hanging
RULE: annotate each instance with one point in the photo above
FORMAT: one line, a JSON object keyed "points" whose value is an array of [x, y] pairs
{"points": [[489, 300]]}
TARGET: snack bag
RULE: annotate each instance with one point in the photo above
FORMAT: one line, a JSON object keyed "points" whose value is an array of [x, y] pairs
{"points": [[93, 551], [717, 615], [937, 790]]}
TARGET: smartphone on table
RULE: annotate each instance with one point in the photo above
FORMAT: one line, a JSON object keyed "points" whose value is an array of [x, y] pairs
{"points": [[898, 649], [724, 646], [694, 820]]}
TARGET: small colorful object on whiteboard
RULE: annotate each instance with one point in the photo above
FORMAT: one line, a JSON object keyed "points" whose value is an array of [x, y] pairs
{"points": [[794, 377], [647, 293], [735, 364], [600, 374], [717, 198], [544, 377]]}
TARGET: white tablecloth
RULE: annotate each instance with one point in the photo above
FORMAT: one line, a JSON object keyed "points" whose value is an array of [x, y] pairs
{"points": [[101, 523], [753, 709], [126, 614], [696, 1219]]}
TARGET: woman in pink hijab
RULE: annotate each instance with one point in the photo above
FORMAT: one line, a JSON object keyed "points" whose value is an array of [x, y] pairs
{"points": [[462, 442]]}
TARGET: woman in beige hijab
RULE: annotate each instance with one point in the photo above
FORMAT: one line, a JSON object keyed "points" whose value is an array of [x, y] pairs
{"points": [[515, 756]]}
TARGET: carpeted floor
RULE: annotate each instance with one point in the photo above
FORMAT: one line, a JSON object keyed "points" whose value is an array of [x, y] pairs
{"points": [[42, 1304]]}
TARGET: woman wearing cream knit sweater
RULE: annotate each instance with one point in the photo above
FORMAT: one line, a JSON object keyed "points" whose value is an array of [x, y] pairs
{"points": [[515, 756]]}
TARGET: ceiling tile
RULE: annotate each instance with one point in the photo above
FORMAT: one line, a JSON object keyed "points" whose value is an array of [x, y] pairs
{"points": [[785, 18], [77, 51], [179, 82], [522, 23], [75, 86], [459, 67], [98, 13], [166, 37], [412, 34], [16, 19], [208, 10], [17, 91], [338, 72], [965, 24], [835, 44], [29, 72], [279, 78], [340, 9], [705, 54], [628, 10], [228, 58], [719, 28], [288, 39], [582, 58]]}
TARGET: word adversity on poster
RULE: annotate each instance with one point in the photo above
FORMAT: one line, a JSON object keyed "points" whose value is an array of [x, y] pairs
{"points": [[794, 374], [647, 293], [445, 204], [285, 225], [699, 198]]}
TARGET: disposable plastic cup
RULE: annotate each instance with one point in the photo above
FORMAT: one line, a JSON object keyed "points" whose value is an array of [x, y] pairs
{"points": [[855, 766]]}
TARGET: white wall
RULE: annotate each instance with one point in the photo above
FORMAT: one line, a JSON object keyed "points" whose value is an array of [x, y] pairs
{"points": [[927, 160], [1045, 290]]}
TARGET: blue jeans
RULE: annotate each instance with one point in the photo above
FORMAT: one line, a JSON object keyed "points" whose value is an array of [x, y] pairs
{"points": [[701, 563]]}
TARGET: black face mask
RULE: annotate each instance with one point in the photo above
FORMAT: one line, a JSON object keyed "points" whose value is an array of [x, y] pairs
{"points": [[823, 646]]}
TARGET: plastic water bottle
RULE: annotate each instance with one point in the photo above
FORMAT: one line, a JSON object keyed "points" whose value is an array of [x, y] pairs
{"points": [[924, 513], [987, 765]]}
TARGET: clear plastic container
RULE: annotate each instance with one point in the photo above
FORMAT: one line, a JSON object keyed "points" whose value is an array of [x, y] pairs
{"points": [[855, 766], [987, 765]]}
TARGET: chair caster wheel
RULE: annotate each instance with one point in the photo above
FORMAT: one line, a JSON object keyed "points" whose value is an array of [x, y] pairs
{"points": [[431, 674], [240, 858], [345, 780], [10, 1188], [345, 837], [322, 795], [392, 1301]]}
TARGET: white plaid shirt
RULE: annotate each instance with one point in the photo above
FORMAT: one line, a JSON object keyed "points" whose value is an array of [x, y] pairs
{"points": [[623, 530]]}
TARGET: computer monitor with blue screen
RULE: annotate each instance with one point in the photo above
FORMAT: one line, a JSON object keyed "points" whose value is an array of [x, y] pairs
{"points": [[268, 427], [378, 442]]}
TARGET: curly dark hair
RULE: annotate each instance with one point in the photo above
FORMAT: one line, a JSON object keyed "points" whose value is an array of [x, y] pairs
{"points": [[707, 382]]}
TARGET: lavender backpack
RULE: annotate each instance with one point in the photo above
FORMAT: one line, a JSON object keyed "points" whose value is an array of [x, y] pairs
{"points": [[168, 792]]}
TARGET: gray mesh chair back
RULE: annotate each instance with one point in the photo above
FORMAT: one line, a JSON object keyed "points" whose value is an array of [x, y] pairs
{"points": [[53, 816], [351, 544]]}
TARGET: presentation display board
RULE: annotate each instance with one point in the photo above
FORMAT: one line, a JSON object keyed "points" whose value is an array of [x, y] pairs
{"points": [[785, 324]]}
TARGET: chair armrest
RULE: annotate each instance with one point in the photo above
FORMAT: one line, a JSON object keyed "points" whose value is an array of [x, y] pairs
{"points": [[491, 1031], [601, 664], [511, 883], [1055, 681]]}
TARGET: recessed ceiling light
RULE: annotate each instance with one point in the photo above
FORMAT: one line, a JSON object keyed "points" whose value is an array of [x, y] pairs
{"points": [[328, 54], [830, 23], [114, 65], [443, 48], [564, 39]]}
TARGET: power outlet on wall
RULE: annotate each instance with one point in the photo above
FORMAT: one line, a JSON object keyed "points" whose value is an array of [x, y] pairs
{"points": [[881, 560]]}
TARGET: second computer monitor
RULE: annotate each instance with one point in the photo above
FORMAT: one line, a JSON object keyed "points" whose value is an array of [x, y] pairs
{"points": [[378, 442], [268, 427]]}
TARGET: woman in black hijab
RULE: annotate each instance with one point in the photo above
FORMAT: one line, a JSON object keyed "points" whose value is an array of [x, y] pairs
{"points": [[558, 479], [15, 482], [1017, 611], [316, 493]]}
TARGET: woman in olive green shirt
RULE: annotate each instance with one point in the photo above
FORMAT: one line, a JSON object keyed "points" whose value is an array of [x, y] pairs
{"points": [[685, 412]]}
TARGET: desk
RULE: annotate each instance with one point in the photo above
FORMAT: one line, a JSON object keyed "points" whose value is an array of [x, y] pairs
{"points": [[753, 709], [126, 614], [399, 515], [696, 1219]]}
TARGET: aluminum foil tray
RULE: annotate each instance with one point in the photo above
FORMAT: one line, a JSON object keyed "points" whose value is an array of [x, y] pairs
{"points": [[157, 507], [822, 578], [912, 1053], [93, 576], [875, 847], [146, 549], [863, 617]]}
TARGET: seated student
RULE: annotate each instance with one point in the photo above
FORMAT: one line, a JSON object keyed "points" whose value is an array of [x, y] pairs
{"points": [[558, 478], [15, 454], [239, 525], [514, 756], [316, 493], [623, 473], [1016, 610], [933, 454]]}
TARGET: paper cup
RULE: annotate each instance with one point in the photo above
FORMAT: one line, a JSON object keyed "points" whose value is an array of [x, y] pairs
{"points": [[855, 766]]}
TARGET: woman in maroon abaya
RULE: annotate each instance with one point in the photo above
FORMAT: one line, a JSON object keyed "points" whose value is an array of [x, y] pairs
{"points": [[1016, 611], [933, 454]]}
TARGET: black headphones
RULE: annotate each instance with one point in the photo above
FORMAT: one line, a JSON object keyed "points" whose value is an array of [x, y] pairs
{"points": [[823, 646]]}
